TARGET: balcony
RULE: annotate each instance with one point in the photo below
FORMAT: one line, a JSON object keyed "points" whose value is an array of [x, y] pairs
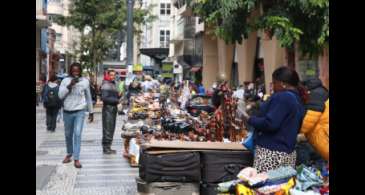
{"points": [[185, 29], [179, 32], [183, 7], [41, 8], [199, 26], [55, 7], [41, 14]]}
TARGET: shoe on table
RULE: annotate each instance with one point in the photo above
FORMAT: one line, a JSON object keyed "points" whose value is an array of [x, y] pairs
{"points": [[67, 159], [77, 164]]}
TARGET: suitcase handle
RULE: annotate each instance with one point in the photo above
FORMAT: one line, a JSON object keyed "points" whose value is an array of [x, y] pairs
{"points": [[173, 178], [169, 187], [233, 168]]}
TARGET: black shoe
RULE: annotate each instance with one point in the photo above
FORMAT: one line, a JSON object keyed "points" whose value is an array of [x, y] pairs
{"points": [[77, 164], [109, 151]]}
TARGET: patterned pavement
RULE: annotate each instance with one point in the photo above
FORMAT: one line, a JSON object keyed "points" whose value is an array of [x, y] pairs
{"points": [[100, 175]]}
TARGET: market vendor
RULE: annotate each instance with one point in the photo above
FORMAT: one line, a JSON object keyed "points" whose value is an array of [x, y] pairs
{"points": [[110, 97], [279, 122]]}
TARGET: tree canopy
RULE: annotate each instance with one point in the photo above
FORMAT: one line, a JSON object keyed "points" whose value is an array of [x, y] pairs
{"points": [[292, 21], [101, 22]]}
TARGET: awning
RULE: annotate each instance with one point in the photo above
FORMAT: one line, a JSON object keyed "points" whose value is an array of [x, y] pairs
{"points": [[158, 54], [195, 69]]}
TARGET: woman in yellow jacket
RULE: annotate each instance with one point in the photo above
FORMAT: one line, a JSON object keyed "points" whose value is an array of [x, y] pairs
{"points": [[315, 127]]}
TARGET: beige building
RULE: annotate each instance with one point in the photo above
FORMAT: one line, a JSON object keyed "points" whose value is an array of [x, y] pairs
{"points": [[66, 38], [186, 42], [41, 51], [218, 57], [155, 39]]}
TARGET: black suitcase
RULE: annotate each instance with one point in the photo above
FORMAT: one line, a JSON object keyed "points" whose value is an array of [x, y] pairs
{"points": [[166, 188], [172, 167], [221, 166]]}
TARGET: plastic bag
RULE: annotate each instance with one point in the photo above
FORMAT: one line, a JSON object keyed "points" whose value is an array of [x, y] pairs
{"points": [[249, 141], [308, 177]]}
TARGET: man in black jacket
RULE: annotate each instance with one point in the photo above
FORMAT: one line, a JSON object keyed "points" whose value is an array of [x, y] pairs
{"points": [[110, 98]]}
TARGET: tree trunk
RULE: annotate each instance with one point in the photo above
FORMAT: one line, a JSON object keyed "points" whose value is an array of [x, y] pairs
{"points": [[94, 53]]}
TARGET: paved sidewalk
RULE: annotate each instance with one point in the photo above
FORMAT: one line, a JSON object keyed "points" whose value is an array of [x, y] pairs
{"points": [[101, 174]]}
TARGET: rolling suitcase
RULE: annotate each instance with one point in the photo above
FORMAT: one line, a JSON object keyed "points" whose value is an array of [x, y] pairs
{"points": [[166, 188], [221, 166], [171, 167]]}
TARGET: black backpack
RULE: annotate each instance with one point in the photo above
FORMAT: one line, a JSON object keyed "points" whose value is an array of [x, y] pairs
{"points": [[52, 97]]}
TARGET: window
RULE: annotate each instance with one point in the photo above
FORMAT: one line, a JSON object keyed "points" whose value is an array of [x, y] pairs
{"points": [[58, 38], [168, 8], [162, 9], [165, 8], [164, 38]]}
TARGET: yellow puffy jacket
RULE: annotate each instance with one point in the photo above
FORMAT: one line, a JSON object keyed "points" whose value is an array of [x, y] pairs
{"points": [[315, 127]]}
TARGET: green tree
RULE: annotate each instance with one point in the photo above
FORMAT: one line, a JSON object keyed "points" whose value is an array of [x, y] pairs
{"points": [[99, 22], [291, 21]]}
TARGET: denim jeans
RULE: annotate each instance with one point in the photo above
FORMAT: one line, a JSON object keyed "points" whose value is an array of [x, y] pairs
{"points": [[74, 123]]}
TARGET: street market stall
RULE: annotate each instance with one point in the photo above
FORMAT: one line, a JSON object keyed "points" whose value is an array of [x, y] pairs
{"points": [[195, 148]]}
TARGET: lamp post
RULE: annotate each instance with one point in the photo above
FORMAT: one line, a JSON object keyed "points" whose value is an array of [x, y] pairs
{"points": [[130, 4]]}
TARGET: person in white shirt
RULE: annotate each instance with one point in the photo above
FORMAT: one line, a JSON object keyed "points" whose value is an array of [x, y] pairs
{"points": [[239, 93]]}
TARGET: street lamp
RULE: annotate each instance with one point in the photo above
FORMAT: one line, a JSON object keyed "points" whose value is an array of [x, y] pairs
{"points": [[130, 4]]}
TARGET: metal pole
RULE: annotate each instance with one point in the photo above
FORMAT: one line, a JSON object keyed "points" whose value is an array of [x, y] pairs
{"points": [[130, 4]]}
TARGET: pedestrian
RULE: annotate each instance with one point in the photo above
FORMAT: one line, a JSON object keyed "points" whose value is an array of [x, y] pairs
{"points": [[239, 93], [51, 102], [278, 122], [60, 111], [39, 91], [147, 84], [75, 93], [110, 98], [121, 86], [201, 89], [134, 88], [316, 123], [93, 90]]}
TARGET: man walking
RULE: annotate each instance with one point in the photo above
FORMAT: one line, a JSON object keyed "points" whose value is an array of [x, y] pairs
{"points": [[51, 102], [110, 97], [75, 91]]}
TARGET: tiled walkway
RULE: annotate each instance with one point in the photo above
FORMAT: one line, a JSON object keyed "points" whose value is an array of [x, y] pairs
{"points": [[101, 174]]}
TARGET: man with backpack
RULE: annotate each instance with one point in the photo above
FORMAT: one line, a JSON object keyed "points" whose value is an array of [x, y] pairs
{"points": [[52, 102]]}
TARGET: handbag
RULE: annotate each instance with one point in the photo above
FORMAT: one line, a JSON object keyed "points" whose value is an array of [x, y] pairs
{"points": [[249, 141]]}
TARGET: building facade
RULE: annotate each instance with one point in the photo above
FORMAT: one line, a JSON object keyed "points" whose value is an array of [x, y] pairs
{"points": [[254, 60], [155, 40], [67, 39], [186, 50], [41, 40]]}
